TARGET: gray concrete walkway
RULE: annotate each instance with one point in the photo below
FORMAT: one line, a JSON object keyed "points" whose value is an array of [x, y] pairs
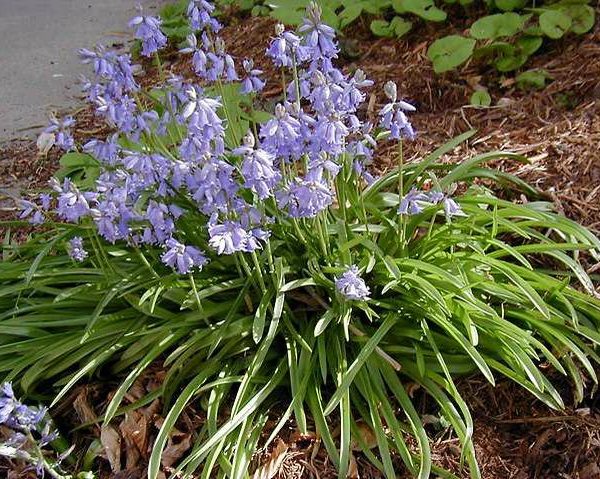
{"points": [[39, 67]]}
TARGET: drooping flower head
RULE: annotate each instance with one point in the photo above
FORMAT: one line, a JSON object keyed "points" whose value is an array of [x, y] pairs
{"points": [[61, 129], [200, 13], [252, 81], [147, 30], [352, 286], [76, 250], [286, 48], [183, 258], [319, 38], [258, 169], [393, 116]]}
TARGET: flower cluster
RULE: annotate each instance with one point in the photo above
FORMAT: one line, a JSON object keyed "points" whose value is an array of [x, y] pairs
{"points": [[186, 160], [414, 202], [30, 430], [61, 129], [147, 30], [351, 285]]}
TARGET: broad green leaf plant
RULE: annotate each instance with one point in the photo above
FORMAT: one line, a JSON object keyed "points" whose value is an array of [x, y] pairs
{"points": [[505, 38], [273, 273]]}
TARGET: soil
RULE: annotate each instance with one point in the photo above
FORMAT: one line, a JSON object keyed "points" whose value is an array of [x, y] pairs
{"points": [[557, 129]]}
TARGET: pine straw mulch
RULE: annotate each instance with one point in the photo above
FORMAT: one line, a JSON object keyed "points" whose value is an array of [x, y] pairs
{"points": [[557, 128]]}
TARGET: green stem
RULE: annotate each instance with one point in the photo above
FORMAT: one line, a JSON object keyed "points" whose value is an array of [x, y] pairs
{"points": [[259, 274], [401, 194]]}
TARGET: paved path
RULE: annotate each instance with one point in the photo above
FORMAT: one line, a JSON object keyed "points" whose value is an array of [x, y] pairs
{"points": [[39, 67]]}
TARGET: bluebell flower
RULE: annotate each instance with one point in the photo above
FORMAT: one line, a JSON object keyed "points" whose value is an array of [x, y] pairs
{"points": [[320, 38], [104, 151], [393, 116], [159, 216], [45, 199], [286, 48], [147, 29], [252, 82], [182, 258], [352, 286], [228, 237], [31, 212], [72, 204], [280, 135], [258, 169], [413, 202], [212, 185], [451, 207], [15, 414], [200, 13], [199, 58], [330, 134], [76, 249], [63, 138], [8, 402], [305, 198]]}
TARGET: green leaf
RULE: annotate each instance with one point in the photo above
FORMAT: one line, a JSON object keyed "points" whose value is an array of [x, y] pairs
{"points": [[289, 12], [425, 9], [81, 168], [510, 5], [258, 326], [554, 23], [449, 52], [349, 14], [528, 45], [498, 25], [381, 28], [583, 17], [358, 363], [398, 27], [511, 62], [481, 98], [532, 79]]}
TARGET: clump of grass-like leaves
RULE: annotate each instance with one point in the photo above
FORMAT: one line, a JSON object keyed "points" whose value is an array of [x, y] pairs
{"points": [[303, 282]]}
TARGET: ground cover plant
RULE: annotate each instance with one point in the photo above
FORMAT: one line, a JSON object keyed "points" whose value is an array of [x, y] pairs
{"points": [[255, 255], [502, 33]]}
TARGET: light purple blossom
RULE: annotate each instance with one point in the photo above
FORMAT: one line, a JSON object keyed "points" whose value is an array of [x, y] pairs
{"points": [[320, 38], [286, 48], [61, 128], [76, 249], [352, 286], [305, 198], [228, 238], [252, 82], [258, 170], [281, 134], [31, 212], [199, 13], [182, 258], [147, 29], [415, 201], [393, 116]]}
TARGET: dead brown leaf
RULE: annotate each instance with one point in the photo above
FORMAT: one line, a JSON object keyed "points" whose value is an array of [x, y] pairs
{"points": [[134, 430], [271, 468], [82, 407], [111, 441], [178, 443]]}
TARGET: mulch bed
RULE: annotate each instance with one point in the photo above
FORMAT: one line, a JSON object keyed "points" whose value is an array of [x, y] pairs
{"points": [[557, 128]]}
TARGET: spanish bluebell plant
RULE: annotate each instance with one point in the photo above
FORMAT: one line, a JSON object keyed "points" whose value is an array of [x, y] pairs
{"points": [[256, 257]]}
